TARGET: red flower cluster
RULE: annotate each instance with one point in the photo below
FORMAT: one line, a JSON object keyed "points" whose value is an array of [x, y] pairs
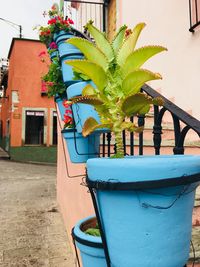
{"points": [[52, 21], [45, 33], [60, 20], [68, 120]]}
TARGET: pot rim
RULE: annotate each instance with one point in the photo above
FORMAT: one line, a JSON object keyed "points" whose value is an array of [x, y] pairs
{"points": [[180, 170], [85, 239]]}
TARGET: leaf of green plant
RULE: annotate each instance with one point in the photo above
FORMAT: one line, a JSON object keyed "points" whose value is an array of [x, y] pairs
{"points": [[91, 52], [101, 41], [88, 90], [119, 38], [92, 70], [138, 57], [144, 110], [136, 79], [129, 44], [133, 104], [91, 125], [91, 100], [93, 232]]}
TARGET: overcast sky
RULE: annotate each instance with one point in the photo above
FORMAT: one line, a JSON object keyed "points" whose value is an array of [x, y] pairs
{"points": [[27, 13]]}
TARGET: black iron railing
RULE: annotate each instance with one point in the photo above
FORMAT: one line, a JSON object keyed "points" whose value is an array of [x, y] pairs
{"points": [[181, 124], [194, 11]]}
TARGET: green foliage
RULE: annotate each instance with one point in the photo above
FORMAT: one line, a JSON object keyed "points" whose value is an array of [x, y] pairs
{"points": [[114, 67], [53, 79], [93, 231]]}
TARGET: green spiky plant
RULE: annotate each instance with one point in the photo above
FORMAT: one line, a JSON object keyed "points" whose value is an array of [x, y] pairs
{"points": [[114, 67]]}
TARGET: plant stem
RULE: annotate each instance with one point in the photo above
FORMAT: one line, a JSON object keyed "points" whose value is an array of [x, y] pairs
{"points": [[119, 144]]}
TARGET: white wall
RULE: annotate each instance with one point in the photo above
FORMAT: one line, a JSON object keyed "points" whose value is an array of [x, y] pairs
{"points": [[167, 24]]}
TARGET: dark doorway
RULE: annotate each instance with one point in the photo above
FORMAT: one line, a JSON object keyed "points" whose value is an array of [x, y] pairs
{"points": [[54, 128], [34, 134]]}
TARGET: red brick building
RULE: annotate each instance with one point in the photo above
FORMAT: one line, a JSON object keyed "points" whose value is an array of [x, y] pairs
{"points": [[28, 116]]}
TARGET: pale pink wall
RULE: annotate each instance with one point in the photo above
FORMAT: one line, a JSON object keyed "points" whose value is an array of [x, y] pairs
{"points": [[168, 24], [73, 198]]}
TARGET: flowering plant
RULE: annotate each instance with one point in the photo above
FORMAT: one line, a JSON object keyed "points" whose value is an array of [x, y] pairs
{"points": [[56, 23], [53, 78], [68, 120]]}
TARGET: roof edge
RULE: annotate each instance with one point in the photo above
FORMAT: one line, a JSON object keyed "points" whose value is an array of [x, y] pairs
{"points": [[20, 39]]}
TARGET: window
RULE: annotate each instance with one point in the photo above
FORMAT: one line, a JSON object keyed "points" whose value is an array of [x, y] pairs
{"points": [[194, 9], [54, 141], [34, 130]]}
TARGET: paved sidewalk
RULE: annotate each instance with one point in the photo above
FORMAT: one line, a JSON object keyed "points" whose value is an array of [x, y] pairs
{"points": [[3, 154], [31, 229]]}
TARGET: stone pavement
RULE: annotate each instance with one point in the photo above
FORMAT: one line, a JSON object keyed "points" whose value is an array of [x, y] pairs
{"points": [[31, 229], [3, 154]]}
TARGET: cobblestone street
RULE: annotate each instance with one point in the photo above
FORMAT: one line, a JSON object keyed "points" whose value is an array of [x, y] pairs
{"points": [[31, 228]]}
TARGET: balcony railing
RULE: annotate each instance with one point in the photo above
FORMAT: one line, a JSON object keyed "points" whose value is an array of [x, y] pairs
{"points": [[83, 11], [194, 11]]}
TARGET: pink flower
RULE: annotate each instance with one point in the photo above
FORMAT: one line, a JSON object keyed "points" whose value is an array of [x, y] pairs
{"points": [[49, 83], [53, 45], [42, 53]]}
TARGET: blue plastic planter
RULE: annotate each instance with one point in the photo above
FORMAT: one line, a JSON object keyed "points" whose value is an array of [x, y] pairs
{"points": [[64, 48], [67, 52], [59, 101], [91, 248], [145, 206], [81, 111], [67, 71], [81, 148]]}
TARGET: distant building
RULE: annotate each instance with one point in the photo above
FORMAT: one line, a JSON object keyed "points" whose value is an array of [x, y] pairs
{"points": [[28, 128]]}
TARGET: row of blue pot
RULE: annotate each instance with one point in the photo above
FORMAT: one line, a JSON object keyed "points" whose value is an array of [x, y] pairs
{"points": [[80, 148], [143, 204]]}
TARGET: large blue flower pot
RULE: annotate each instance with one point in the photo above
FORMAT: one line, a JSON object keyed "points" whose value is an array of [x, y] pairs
{"points": [[145, 206], [91, 248], [64, 48], [67, 70], [81, 148], [81, 111], [67, 52], [59, 101]]}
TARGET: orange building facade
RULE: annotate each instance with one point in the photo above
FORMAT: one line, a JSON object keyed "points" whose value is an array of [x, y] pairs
{"points": [[28, 116]]}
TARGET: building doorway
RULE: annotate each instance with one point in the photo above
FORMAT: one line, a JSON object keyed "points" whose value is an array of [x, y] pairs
{"points": [[34, 129]]}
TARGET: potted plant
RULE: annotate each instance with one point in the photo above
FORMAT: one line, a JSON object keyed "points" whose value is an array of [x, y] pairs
{"points": [[138, 200], [54, 36], [80, 149], [87, 238], [54, 82]]}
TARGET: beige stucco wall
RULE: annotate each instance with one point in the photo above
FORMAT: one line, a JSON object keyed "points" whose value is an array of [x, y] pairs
{"points": [[168, 24]]}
